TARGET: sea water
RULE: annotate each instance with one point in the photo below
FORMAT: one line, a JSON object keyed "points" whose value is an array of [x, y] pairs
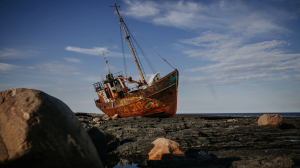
{"points": [[283, 114]]}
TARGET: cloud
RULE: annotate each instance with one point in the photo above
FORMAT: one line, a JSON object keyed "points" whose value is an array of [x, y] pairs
{"points": [[234, 59], [221, 79], [73, 60], [240, 41], [7, 67], [220, 15], [9, 53], [207, 39], [96, 51], [93, 51], [31, 67], [76, 73], [56, 68], [234, 56], [141, 9]]}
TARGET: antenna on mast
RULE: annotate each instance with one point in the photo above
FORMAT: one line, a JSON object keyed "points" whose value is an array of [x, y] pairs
{"points": [[105, 60]]}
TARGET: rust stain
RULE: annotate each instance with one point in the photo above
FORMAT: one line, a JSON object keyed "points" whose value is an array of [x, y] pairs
{"points": [[141, 105], [157, 100]]}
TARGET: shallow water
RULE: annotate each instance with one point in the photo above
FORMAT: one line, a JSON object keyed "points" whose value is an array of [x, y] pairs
{"points": [[116, 162], [132, 165]]}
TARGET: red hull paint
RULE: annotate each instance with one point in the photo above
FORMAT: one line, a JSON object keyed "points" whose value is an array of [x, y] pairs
{"points": [[158, 100]]}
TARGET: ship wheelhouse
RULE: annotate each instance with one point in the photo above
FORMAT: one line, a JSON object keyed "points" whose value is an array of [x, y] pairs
{"points": [[111, 87]]}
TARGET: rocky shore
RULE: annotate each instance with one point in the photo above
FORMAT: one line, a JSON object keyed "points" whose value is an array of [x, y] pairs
{"points": [[207, 141], [39, 130]]}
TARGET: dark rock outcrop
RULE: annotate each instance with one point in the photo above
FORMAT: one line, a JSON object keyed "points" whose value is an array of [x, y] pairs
{"points": [[207, 141], [38, 130], [99, 141]]}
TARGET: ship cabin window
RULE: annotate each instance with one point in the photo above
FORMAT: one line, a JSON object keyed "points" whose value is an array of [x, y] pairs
{"points": [[117, 82], [107, 92]]}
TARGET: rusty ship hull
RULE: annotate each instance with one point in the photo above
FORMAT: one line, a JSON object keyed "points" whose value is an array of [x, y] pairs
{"points": [[157, 100]]}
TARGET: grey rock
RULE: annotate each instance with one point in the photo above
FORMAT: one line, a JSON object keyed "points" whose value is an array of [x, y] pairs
{"points": [[106, 118], [96, 119], [115, 117], [38, 130]]}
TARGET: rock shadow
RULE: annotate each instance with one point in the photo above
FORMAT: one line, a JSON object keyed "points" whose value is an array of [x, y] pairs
{"points": [[285, 126], [126, 141], [103, 142], [296, 162], [201, 134], [99, 142]]}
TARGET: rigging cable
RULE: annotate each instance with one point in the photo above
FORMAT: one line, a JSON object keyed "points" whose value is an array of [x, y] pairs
{"points": [[138, 58], [153, 49], [136, 54], [143, 53], [124, 60]]}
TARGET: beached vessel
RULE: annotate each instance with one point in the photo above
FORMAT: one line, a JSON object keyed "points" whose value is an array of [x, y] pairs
{"points": [[157, 98]]}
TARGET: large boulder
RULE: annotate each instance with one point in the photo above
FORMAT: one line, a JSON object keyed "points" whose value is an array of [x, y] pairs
{"points": [[272, 120], [38, 130], [161, 149]]}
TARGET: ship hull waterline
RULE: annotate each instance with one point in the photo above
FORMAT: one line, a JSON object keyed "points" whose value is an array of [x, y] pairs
{"points": [[157, 100]]}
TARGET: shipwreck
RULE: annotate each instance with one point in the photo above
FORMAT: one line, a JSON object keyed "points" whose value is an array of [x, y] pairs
{"points": [[155, 98]]}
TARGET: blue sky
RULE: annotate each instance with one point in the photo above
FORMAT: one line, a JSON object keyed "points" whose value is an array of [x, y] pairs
{"points": [[232, 56]]}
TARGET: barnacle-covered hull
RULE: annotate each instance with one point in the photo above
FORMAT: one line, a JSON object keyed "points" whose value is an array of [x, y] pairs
{"points": [[157, 100]]}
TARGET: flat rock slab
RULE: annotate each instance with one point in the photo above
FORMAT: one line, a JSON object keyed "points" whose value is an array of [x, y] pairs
{"points": [[229, 144]]}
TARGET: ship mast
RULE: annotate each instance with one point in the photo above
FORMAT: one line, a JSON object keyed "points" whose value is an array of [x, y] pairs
{"points": [[105, 61], [127, 38]]}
